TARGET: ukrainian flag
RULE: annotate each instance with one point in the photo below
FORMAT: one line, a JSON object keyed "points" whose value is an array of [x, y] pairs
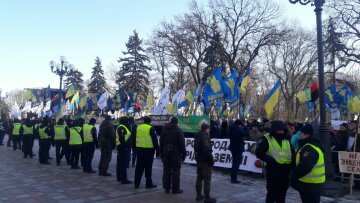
{"points": [[272, 99], [213, 87], [245, 80], [75, 99], [70, 92], [230, 88]]}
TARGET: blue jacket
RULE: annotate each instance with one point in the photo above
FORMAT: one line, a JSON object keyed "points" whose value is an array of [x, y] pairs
{"points": [[295, 140]]}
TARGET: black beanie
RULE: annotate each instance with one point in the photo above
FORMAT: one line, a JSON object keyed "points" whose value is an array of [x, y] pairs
{"points": [[276, 126], [308, 129]]}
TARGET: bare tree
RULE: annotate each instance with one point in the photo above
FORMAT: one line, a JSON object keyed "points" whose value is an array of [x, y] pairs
{"points": [[347, 16], [247, 26], [293, 62]]}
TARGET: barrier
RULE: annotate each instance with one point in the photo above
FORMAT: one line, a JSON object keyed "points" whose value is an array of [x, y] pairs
{"points": [[222, 156]]}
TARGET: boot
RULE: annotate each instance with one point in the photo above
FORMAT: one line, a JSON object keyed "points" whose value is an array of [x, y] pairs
{"points": [[209, 200], [199, 197]]}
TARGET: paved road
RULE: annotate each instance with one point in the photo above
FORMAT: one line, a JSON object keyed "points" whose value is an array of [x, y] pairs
{"points": [[25, 180]]}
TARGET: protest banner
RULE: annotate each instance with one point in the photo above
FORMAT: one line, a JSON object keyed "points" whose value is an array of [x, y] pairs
{"points": [[192, 124], [349, 162], [222, 156]]}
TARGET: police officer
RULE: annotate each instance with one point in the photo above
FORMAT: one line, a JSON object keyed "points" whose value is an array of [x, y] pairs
{"points": [[61, 140], [107, 144], [308, 176], [146, 145], [173, 152], [123, 145], [15, 134], [276, 151], [27, 131], [90, 143], [44, 141], [75, 143], [204, 163]]}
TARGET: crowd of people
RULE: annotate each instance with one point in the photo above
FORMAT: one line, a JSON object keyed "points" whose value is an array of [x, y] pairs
{"points": [[290, 152]]}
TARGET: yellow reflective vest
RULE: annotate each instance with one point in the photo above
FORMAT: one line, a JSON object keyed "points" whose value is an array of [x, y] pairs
{"points": [[127, 135], [143, 137], [60, 132], [28, 130], [42, 134], [75, 137], [87, 130], [317, 174], [281, 154], [16, 129]]}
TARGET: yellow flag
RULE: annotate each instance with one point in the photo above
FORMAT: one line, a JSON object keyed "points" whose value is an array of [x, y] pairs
{"points": [[189, 97], [171, 108], [302, 97], [356, 104]]}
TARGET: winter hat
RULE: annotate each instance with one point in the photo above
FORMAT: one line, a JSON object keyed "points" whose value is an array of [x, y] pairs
{"points": [[276, 126], [308, 129]]}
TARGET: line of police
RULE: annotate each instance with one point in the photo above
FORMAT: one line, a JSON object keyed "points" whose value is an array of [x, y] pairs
{"points": [[307, 169]]}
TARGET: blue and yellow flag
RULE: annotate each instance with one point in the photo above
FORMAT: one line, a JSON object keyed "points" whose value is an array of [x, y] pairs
{"points": [[213, 87], [331, 97], [231, 91], [75, 99], [272, 99], [71, 91], [82, 103], [245, 80], [343, 97]]}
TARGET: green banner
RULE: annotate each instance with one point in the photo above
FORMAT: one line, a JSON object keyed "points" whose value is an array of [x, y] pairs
{"points": [[192, 124]]}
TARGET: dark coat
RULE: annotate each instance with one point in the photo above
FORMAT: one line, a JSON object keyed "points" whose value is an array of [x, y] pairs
{"points": [[107, 135], [172, 141], [237, 135], [203, 149], [308, 158]]}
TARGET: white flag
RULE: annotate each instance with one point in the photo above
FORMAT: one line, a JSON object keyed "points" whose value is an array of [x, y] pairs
{"points": [[164, 99], [102, 103], [48, 106]]}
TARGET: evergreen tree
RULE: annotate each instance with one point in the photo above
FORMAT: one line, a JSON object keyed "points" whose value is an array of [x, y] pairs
{"points": [[98, 81], [134, 74], [74, 77], [333, 50]]}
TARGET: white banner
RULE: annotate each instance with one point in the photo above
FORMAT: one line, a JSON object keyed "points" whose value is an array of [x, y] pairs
{"points": [[349, 162], [222, 156]]}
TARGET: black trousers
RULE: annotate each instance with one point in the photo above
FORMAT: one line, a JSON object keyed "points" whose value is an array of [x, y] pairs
{"points": [[75, 151], [121, 165], [277, 185], [44, 147], [310, 197], [28, 143], [171, 172], [105, 159], [236, 161], [88, 155], [144, 162], [203, 171], [16, 142], [2, 134], [62, 149], [9, 139], [133, 157]]}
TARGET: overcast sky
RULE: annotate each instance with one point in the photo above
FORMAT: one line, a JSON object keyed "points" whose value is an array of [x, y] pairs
{"points": [[35, 32]]}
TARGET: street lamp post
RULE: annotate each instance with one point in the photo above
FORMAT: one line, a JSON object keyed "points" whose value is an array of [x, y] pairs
{"points": [[323, 130], [61, 69]]}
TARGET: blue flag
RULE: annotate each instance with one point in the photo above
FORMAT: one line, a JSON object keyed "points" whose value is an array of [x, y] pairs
{"points": [[230, 88], [47, 94], [331, 97], [213, 87], [89, 103]]}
